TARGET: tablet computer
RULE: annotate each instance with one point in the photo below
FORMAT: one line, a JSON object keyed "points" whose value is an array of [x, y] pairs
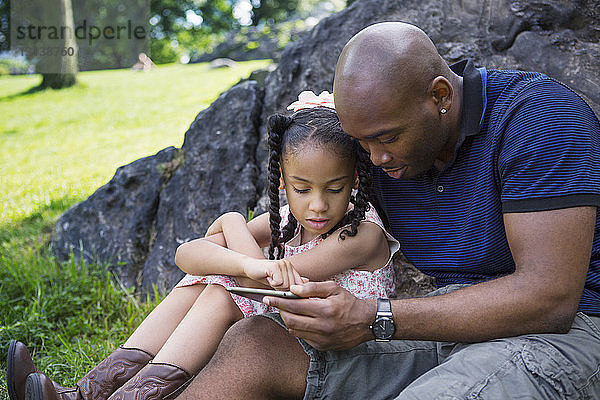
{"points": [[258, 294]]}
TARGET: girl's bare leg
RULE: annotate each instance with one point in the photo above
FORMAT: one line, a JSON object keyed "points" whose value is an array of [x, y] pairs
{"points": [[187, 326], [195, 340], [154, 331]]}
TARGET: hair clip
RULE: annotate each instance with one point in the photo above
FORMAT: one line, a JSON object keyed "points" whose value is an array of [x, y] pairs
{"points": [[308, 99]]}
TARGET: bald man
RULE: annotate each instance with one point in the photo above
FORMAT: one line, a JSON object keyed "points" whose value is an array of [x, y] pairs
{"points": [[490, 180]]}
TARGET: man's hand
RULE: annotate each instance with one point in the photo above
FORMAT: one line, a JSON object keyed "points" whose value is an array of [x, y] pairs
{"points": [[328, 318]]}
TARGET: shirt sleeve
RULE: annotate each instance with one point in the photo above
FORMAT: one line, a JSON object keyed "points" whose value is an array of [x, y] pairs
{"points": [[549, 157]]}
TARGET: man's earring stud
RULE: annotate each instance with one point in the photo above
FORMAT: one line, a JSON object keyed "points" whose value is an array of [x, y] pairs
{"points": [[443, 111]]}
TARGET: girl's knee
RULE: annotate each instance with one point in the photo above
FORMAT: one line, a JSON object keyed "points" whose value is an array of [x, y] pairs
{"points": [[190, 291], [236, 215], [217, 298]]}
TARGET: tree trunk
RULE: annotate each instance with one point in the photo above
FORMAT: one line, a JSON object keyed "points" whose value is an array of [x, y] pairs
{"points": [[60, 70]]}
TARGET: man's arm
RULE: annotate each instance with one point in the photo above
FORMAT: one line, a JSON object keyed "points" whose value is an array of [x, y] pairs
{"points": [[551, 250]]}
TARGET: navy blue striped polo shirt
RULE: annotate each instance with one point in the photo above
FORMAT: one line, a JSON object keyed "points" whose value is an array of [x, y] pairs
{"points": [[527, 143]]}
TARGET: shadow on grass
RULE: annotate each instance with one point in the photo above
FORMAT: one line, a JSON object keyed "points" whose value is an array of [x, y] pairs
{"points": [[33, 90], [38, 224]]}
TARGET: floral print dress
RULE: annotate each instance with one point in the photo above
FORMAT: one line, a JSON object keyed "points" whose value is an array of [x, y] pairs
{"points": [[362, 284]]}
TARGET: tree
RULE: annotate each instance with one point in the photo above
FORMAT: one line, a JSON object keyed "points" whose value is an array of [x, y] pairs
{"points": [[272, 11], [61, 67], [192, 21], [169, 17], [4, 25], [40, 31]]}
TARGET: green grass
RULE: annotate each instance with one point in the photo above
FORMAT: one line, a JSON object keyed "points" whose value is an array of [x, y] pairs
{"points": [[57, 148], [69, 142]]}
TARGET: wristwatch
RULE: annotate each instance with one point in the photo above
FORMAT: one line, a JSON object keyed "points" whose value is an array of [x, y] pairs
{"points": [[383, 327]]}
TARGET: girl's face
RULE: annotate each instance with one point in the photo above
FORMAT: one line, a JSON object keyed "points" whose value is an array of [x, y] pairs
{"points": [[318, 185]]}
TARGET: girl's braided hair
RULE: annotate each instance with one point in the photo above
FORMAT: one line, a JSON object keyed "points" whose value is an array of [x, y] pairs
{"points": [[320, 128]]}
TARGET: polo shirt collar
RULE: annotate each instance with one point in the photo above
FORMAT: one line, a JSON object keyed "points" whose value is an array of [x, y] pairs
{"points": [[473, 104], [472, 99]]}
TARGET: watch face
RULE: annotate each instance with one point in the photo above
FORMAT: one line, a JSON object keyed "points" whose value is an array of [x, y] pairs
{"points": [[383, 328]]}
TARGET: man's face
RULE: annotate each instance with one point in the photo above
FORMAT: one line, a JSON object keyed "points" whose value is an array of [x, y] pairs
{"points": [[402, 137]]}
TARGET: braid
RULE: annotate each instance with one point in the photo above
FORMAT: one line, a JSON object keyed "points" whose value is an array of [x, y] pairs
{"points": [[289, 229], [361, 203], [277, 124]]}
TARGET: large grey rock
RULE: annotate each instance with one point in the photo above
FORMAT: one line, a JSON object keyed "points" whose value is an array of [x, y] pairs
{"points": [[221, 168], [217, 175], [113, 225]]}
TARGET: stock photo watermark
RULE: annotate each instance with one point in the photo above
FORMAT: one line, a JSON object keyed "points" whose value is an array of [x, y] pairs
{"points": [[98, 35]]}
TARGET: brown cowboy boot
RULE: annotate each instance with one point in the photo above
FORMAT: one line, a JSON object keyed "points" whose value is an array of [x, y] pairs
{"points": [[18, 366], [98, 384], [155, 381], [38, 386]]}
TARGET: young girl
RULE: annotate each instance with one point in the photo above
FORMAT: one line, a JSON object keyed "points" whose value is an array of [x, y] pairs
{"points": [[323, 233]]}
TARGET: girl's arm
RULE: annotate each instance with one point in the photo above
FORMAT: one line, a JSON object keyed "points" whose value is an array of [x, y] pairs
{"points": [[243, 237], [234, 248], [368, 250], [260, 230], [229, 241]]}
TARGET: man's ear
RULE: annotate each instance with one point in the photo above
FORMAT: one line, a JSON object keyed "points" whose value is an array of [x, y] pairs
{"points": [[355, 186], [441, 90]]}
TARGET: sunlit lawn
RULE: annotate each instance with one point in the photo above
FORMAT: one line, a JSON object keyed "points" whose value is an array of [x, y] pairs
{"points": [[67, 143]]}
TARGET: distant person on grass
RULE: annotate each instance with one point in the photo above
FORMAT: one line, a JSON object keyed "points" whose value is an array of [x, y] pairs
{"points": [[324, 232], [490, 181]]}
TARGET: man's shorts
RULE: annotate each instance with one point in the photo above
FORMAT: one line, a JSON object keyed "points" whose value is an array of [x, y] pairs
{"points": [[542, 366]]}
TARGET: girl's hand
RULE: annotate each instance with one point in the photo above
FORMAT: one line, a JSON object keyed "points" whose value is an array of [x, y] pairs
{"points": [[215, 227], [279, 274], [284, 275]]}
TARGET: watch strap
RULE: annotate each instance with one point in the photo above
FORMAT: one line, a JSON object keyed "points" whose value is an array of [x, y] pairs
{"points": [[384, 308], [384, 317]]}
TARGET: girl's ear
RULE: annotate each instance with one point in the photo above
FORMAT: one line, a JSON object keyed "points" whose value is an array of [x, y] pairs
{"points": [[355, 186], [281, 182]]}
